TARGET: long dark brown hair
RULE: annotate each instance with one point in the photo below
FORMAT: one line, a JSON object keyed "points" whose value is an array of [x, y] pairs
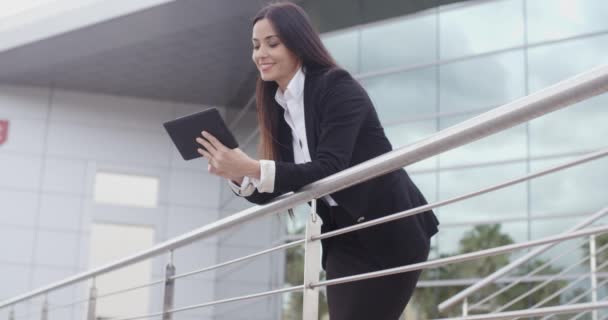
{"points": [[294, 29]]}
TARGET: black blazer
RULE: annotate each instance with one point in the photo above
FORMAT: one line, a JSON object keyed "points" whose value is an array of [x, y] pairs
{"points": [[343, 129]]}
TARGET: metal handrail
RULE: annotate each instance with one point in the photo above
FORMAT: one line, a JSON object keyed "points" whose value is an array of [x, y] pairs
{"points": [[562, 94]]}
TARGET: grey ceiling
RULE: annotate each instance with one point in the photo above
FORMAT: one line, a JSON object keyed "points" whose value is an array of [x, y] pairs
{"points": [[195, 51], [188, 50]]}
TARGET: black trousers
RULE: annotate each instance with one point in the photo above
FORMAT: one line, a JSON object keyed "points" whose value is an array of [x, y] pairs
{"points": [[382, 298]]}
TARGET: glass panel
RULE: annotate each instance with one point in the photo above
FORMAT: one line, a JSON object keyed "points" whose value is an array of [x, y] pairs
{"points": [[504, 203], [482, 82], [404, 95], [578, 127], [479, 28], [556, 19], [408, 133], [581, 189], [402, 42], [457, 240], [550, 64], [506, 145], [344, 47], [575, 247], [426, 183]]}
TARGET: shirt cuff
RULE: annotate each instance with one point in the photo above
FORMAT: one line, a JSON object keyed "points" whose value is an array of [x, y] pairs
{"points": [[245, 189], [266, 181]]}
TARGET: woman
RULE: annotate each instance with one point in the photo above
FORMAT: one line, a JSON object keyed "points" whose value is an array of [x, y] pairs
{"points": [[316, 120]]}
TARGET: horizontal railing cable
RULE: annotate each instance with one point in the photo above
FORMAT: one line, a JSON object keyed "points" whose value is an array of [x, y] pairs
{"points": [[208, 304], [521, 279], [417, 210], [601, 266], [542, 284], [512, 265], [578, 297], [462, 257], [412, 267], [578, 316], [555, 97], [534, 312], [247, 257], [564, 289]]}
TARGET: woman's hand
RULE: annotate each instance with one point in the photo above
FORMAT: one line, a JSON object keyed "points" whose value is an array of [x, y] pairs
{"points": [[229, 163]]}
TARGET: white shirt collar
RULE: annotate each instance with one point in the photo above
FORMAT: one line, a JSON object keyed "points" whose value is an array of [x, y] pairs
{"points": [[294, 90]]}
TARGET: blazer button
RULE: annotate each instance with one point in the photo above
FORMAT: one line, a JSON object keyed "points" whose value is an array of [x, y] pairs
{"points": [[361, 219]]}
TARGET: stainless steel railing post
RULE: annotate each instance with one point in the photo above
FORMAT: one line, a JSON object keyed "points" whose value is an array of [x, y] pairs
{"points": [[465, 307], [593, 272], [11, 314], [44, 315], [92, 308], [312, 265], [169, 292]]}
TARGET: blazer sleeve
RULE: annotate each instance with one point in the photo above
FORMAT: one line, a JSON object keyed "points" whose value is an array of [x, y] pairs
{"points": [[343, 109]]}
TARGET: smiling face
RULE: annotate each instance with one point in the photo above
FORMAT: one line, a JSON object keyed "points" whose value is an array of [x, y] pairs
{"points": [[274, 60]]}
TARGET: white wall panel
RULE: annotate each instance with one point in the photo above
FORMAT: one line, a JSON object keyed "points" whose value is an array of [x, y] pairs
{"points": [[19, 171], [16, 244], [61, 212], [56, 248], [64, 175], [19, 208]]}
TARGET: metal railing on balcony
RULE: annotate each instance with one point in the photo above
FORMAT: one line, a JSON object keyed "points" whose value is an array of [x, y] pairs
{"points": [[565, 93]]}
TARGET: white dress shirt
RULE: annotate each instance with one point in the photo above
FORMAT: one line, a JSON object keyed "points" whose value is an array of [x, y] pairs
{"points": [[292, 100]]}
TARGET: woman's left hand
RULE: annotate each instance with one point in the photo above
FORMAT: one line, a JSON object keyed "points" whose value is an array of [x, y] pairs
{"points": [[225, 162]]}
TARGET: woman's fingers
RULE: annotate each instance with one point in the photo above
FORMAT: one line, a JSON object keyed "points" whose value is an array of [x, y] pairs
{"points": [[216, 143], [204, 153], [210, 148]]}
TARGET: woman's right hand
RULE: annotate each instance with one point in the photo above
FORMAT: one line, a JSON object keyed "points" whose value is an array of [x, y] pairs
{"points": [[214, 171]]}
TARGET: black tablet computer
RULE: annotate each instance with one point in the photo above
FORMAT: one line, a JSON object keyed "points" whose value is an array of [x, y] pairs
{"points": [[184, 131]]}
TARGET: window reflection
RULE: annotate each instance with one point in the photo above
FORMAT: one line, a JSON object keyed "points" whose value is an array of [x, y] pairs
{"points": [[481, 28], [405, 134], [407, 41], [577, 127], [344, 47], [403, 95], [580, 189], [449, 242], [504, 203], [557, 19], [426, 183], [550, 64], [482, 82], [506, 145]]}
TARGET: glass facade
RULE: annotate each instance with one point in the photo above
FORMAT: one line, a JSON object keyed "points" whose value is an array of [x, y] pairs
{"points": [[434, 69]]}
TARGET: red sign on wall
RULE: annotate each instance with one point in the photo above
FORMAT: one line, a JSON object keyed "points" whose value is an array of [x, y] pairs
{"points": [[3, 131]]}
